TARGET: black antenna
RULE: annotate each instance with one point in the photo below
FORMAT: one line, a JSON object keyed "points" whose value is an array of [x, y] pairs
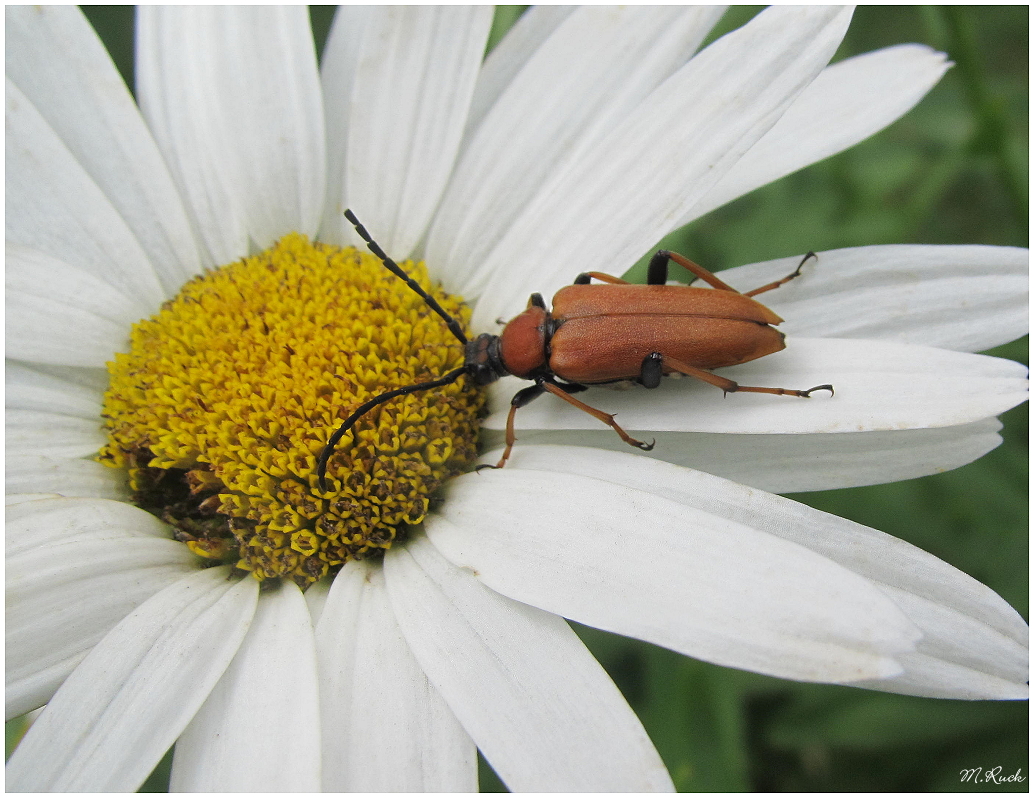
{"points": [[448, 379], [328, 450], [394, 268]]}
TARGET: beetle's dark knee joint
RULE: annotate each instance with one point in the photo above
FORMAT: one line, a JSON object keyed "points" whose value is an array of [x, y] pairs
{"points": [[526, 395], [582, 279], [657, 271], [652, 370]]}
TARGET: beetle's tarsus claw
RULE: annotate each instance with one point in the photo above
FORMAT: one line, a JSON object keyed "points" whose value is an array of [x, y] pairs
{"points": [[482, 466], [646, 447], [810, 391]]}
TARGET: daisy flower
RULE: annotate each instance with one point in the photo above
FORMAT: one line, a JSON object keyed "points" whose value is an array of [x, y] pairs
{"points": [[188, 324]]}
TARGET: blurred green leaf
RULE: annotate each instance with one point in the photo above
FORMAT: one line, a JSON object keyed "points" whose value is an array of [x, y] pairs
{"points": [[14, 730], [505, 17], [158, 781], [865, 721]]}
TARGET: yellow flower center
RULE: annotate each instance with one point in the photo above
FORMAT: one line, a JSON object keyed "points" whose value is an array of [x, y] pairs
{"points": [[227, 397]]}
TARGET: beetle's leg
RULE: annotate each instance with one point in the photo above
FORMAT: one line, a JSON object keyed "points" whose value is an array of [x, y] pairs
{"points": [[606, 418], [657, 272], [795, 273], [730, 386], [652, 370], [520, 399], [585, 277]]}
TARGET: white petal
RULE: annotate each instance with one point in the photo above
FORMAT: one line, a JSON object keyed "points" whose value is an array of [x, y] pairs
{"points": [[935, 676], [848, 102], [968, 630], [316, 598], [52, 412], [413, 83], [232, 95], [610, 205], [63, 520], [56, 59], [95, 380], [57, 313], [528, 33], [258, 730], [54, 206], [880, 385], [15, 499], [635, 563], [65, 595], [966, 298], [337, 76], [541, 709], [66, 477], [385, 727], [794, 463], [964, 653], [64, 391], [589, 75], [52, 434], [149, 674]]}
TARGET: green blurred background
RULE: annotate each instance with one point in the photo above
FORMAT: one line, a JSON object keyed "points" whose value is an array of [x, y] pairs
{"points": [[953, 171]]}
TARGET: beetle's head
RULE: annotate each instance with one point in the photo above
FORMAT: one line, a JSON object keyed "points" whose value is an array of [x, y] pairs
{"points": [[483, 364]]}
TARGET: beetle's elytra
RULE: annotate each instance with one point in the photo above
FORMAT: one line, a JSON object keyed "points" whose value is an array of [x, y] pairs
{"points": [[606, 332]]}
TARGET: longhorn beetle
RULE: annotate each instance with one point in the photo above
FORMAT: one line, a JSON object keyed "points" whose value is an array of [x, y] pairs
{"points": [[605, 333]]}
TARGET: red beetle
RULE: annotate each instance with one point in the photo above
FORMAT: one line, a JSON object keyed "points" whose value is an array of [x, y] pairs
{"points": [[606, 333]]}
